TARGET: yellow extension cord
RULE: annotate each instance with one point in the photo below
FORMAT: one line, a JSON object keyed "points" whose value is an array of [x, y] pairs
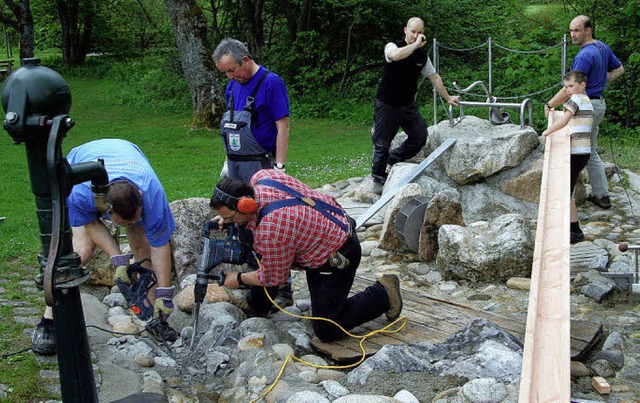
{"points": [[384, 330]]}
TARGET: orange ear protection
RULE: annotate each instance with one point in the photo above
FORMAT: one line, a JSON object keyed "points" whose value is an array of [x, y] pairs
{"points": [[244, 204]]}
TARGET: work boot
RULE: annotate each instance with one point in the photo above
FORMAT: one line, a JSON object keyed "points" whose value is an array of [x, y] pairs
{"points": [[161, 330], [576, 236], [391, 283], [283, 297], [44, 338], [602, 202]]}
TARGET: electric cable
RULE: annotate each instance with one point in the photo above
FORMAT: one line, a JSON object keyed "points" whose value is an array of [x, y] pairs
{"points": [[116, 333], [7, 355], [401, 321]]}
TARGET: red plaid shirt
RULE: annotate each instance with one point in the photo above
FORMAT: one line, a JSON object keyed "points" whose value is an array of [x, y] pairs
{"points": [[295, 237]]}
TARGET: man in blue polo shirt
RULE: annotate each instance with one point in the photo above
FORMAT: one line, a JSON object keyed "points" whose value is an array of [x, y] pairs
{"points": [[597, 61], [137, 202]]}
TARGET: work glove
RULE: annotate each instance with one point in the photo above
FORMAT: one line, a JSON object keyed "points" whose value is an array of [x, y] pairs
{"points": [[121, 263], [163, 306], [225, 170]]}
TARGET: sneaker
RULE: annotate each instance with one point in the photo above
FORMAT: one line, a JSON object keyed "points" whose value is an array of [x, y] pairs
{"points": [[576, 237], [391, 283], [44, 338], [377, 187], [161, 330], [602, 202]]}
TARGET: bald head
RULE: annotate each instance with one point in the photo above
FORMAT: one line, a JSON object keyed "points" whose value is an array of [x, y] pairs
{"points": [[415, 20], [414, 31], [581, 30]]}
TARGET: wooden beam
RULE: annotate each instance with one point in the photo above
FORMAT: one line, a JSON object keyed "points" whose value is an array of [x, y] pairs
{"points": [[546, 360]]}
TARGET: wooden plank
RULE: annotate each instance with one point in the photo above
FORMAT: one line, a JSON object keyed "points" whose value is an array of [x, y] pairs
{"points": [[433, 320], [545, 375]]}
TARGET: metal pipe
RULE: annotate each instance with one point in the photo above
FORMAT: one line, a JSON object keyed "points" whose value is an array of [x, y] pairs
{"points": [[490, 68], [526, 104]]}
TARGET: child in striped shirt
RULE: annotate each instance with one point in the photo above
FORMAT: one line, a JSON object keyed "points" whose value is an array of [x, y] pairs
{"points": [[578, 115]]}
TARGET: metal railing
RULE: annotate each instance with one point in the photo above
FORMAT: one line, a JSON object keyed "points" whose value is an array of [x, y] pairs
{"points": [[492, 102]]}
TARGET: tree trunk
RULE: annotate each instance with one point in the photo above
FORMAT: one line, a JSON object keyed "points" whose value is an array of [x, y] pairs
{"points": [[76, 38], [253, 16], [23, 25], [190, 32]]}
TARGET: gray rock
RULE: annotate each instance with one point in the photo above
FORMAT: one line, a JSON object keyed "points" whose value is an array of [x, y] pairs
{"points": [[595, 285], [484, 390], [614, 357], [493, 252], [603, 368], [615, 341], [599, 263], [479, 350], [112, 300], [481, 150], [307, 397], [443, 208]]}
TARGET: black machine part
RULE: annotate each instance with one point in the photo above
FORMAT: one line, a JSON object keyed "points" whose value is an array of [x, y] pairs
{"points": [[214, 251], [409, 221], [137, 294]]}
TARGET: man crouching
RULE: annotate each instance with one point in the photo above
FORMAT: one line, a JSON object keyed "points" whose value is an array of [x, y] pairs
{"points": [[297, 228]]}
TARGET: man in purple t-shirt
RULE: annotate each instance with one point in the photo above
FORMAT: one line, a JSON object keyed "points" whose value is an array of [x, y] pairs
{"points": [[265, 142], [597, 61]]}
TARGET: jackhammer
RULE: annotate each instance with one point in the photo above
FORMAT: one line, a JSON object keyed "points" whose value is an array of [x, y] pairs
{"points": [[214, 252]]}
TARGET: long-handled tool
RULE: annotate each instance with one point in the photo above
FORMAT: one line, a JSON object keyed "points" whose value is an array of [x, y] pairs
{"points": [[389, 194]]}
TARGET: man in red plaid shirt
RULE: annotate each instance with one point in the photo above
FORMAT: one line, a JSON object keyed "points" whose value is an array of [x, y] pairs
{"points": [[297, 228]]}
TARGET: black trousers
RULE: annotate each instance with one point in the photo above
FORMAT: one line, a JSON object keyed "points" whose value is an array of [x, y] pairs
{"points": [[387, 120], [329, 290]]}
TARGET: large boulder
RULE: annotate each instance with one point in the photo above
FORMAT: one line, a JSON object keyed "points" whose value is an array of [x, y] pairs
{"points": [[482, 149], [189, 215], [488, 252]]}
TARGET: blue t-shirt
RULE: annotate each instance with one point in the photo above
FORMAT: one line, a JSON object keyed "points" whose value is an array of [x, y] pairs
{"points": [[122, 160], [595, 60], [271, 104]]}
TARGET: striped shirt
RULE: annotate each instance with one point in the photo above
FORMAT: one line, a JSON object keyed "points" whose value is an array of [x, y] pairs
{"points": [[295, 237], [581, 124]]}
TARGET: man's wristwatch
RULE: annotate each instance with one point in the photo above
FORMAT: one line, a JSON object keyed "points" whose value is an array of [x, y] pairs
{"points": [[279, 166], [239, 279], [548, 106]]}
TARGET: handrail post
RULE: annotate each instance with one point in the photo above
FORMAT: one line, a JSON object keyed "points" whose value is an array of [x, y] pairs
{"points": [[436, 60]]}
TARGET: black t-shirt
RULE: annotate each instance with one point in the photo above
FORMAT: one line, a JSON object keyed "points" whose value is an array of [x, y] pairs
{"points": [[399, 83]]}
